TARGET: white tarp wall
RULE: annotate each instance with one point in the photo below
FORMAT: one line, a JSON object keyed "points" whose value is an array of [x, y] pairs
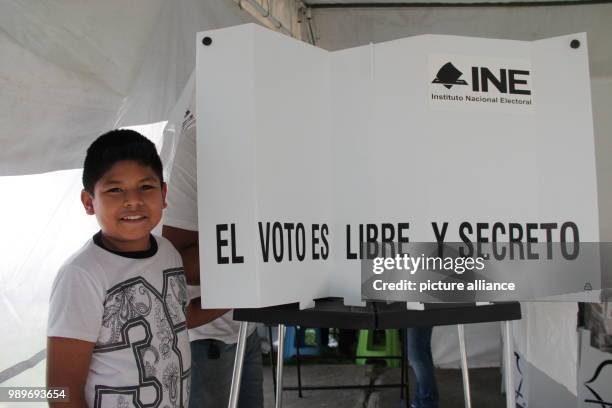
{"points": [[71, 71]]}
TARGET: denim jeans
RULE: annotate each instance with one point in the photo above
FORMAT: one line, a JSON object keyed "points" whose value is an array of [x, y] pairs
{"points": [[419, 355], [212, 365]]}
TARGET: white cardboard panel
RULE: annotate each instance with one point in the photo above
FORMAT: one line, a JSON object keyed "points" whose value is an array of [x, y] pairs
{"points": [[293, 134]]}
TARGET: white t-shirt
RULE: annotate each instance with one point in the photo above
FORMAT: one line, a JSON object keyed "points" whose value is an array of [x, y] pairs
{"points": [[132, 306], [182, 212]]}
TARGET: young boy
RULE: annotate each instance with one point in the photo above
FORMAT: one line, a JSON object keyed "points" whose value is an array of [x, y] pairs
{"points": [[117, 332]]}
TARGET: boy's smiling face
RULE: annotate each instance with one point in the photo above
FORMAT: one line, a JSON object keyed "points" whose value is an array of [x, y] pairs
{"points": [[128, 201]]}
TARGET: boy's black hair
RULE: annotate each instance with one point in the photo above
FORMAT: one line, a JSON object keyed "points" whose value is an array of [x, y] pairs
{"points": [[115, 146]]}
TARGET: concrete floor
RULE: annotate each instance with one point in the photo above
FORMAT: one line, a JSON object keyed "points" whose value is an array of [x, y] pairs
{"points": [[485, 387]]}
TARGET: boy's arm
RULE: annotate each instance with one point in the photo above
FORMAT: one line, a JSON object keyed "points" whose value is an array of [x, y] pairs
{"points": [[186, 242], [196, 316], [68, 366]]}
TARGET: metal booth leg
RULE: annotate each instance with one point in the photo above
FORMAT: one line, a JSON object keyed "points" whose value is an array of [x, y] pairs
{"points": [[279, 366], [298, 331], [403, 363], [508, 365], [464, 367], [272, 367], [405, 379], [238, 363]]}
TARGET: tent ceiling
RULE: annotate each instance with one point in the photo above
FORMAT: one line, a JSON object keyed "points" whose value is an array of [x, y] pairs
{"points": [[70, 70]]}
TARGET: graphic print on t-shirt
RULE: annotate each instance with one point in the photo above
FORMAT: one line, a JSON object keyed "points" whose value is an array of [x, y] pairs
{"points": [[139, 319]]}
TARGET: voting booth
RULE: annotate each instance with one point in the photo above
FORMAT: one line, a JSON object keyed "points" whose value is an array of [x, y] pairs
{"points": [[424, 139], [413, 140]]}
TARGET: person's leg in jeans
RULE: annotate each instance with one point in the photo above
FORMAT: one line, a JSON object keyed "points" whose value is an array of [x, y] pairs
{"points": [[251, 386], [212, 366], [419, 355]]}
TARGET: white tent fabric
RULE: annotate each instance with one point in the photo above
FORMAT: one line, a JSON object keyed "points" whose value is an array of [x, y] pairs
{"points": [[70, 71], [546, 337]]}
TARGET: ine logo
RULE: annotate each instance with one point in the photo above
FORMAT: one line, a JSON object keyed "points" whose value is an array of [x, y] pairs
{"points": [[485, 80], [448, 76]]}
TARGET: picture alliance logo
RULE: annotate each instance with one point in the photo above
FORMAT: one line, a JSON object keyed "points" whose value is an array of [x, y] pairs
{"points": [[483, 79]]}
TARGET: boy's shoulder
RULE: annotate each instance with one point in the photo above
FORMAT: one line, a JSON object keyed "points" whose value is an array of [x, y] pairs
{"points": [[83, 258], [166, 249], [83, 264]]}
